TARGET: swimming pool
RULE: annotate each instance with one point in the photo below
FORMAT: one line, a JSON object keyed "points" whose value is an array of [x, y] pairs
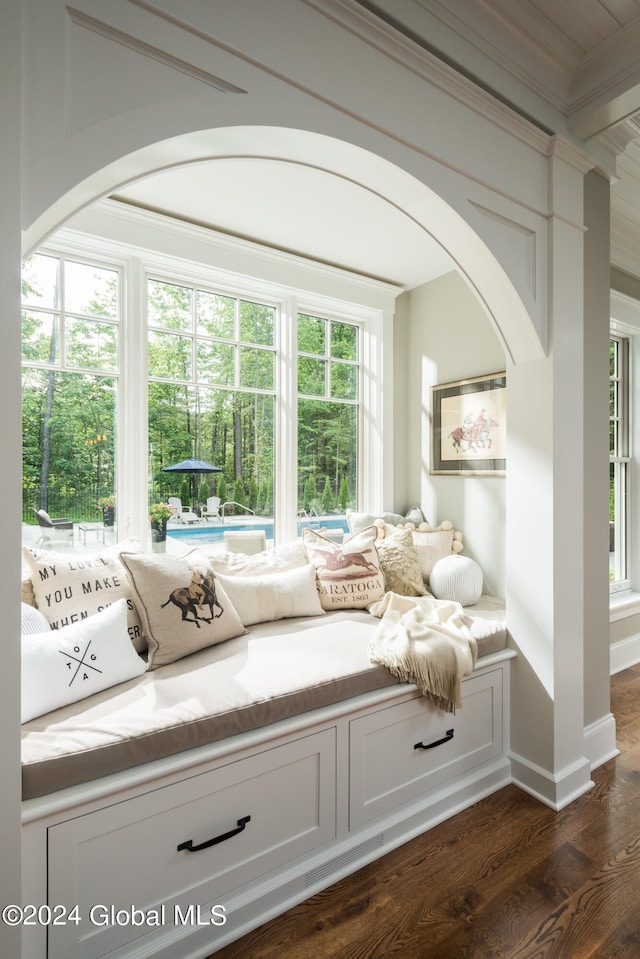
{"points": [[215, 534]]}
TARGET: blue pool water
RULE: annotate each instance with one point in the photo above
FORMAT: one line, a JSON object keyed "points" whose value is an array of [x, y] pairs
{"points": [[215, 534]]}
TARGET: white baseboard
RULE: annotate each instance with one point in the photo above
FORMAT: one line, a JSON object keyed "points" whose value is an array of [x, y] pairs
{"points": [[624, 653], [600, 741], [555, 790]]}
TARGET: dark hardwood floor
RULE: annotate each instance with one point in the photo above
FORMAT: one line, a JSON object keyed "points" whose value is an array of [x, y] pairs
{"points": [[505, 879]]}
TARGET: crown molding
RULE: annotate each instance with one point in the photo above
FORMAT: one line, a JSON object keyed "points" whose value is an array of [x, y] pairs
{"points": [[393, 43], [518, 39]]}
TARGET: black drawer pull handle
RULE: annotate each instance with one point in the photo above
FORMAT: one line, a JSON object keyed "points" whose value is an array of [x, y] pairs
{"points": [[188, 845], [447, 738]]}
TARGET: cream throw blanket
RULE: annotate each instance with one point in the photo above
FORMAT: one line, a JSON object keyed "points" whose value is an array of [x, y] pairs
{"points": [[424, 641]]}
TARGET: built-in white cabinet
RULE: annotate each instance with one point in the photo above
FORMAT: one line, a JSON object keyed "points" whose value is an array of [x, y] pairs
{"points": [[403, 751], [190, 843], [177, 864]]}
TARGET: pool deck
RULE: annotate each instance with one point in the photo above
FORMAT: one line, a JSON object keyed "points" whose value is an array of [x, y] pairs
{"points": [[179, 535]]}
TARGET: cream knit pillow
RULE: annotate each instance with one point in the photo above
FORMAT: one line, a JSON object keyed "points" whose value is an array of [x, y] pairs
{"points": [[456, 578], [399, 562]]}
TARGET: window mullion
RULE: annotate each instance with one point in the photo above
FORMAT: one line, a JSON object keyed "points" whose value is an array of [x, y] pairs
{"points": [[133, 433], [286, 478]]}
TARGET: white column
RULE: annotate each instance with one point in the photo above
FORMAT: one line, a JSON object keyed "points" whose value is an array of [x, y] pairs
{"points": [[545, 516], [599, 723]]}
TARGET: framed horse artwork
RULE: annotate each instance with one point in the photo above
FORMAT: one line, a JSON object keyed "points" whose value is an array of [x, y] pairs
{"points": [[469, 427]]}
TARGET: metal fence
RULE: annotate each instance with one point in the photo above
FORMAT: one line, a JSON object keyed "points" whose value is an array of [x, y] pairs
{"points": [[80, 507]]}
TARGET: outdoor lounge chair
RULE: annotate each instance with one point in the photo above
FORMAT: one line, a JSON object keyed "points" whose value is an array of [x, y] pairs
{"points": [[245, 541], [53, 529], [213, 508], [182, 514]]}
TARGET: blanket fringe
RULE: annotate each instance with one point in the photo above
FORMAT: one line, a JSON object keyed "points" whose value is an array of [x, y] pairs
{"points": [[435, 684], [424, 641]]}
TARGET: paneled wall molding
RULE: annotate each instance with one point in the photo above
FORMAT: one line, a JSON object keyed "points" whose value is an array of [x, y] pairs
{"points": [[518, 236], [100, 93], [148, 50]]}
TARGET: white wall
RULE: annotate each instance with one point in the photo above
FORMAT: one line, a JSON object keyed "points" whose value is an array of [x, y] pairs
{"points": [[10, 780], [448, 338]]}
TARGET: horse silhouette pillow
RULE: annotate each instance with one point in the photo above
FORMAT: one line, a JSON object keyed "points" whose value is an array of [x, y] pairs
{"points": [[182, 604]]}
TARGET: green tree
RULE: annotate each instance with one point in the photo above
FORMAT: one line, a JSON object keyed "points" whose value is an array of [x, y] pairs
{"points": [[310, 495], [221, 489], [239, 493], [184, 491], [328, 501], [344, 495], [262, 504], [204, 491], [252, 494]]}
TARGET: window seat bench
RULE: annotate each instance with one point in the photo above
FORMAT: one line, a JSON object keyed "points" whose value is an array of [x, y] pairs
{"points": [[242, 779]]}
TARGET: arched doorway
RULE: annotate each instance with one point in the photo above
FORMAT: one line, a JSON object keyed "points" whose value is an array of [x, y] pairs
{"points": [[382, 182]]}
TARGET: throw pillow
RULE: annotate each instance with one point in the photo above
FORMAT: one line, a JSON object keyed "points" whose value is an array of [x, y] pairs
{"points": [[399, 562], [456, 578], [70, 587], [347, 576], [32, 620], [277, 559], [262, 599], [357, 521], [434, 544], [70, 663], [27, 595], [183, 606]]}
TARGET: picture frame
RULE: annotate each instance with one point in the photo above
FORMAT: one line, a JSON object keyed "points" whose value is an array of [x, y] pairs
{"points": [[469, 427]]}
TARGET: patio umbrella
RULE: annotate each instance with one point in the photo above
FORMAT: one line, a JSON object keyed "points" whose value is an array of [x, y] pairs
{"points": [[191, 466]]}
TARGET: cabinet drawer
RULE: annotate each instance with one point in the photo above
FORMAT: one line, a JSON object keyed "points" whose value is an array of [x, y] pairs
{"points": [[386, 767], [127, 854]]}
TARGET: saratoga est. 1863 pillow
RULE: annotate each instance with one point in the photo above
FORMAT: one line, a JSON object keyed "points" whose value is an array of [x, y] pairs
{"points": [[347, 576]]}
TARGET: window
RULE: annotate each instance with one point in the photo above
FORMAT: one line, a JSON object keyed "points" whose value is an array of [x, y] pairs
{"points": [[70, 357], [328, 413], [261, 380], [619, 460], [212, 395]]}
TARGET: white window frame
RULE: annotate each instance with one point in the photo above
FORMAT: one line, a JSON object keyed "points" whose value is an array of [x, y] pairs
{"points": [[257, 273], [625, 322], [620, 459], [68, 248]]}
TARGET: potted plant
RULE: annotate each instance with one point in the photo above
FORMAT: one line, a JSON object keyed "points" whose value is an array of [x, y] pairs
{"points": [[108, 506], [159, 514]]}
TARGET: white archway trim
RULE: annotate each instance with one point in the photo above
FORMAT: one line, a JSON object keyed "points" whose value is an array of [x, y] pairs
{"points": [[415, 199]]}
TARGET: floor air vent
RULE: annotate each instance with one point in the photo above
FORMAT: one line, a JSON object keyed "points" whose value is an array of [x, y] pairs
{"points": [[316, 875]]}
